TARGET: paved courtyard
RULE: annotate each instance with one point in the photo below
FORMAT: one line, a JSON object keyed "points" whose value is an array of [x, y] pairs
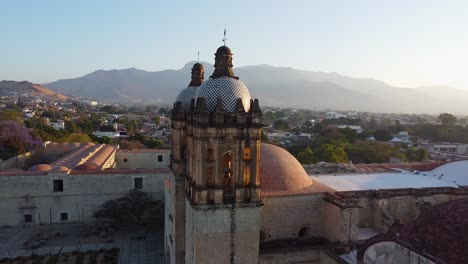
{"points": [[136, 245]]}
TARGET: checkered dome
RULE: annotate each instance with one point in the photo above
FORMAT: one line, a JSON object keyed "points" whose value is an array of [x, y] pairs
{"points": [[226, 88], [186, 95]]}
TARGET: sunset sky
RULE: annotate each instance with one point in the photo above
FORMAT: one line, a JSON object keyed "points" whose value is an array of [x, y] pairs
{"points": [[404, 43]]}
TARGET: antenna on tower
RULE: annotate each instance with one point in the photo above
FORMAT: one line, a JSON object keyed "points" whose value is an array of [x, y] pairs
{"points": [[224, 39]]}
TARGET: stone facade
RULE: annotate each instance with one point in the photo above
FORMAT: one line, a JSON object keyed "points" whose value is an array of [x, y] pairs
{"points": [[80, 195]]}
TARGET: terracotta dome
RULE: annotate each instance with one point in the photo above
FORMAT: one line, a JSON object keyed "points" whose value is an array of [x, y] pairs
{"points": [[40, 168], [280, 171], [441, 231], [61, 169], [87, 166]]}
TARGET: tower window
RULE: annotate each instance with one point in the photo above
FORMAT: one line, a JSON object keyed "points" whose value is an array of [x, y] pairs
{"points": [[138, 183], [58, 185], [64, 216], [160, 158], [28, 218], [210, 176], [247, 153], [246, 178], [125, 160]]}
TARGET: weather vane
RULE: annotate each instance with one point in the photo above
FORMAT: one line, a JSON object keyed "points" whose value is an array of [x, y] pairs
{"points": [[224, 39]]}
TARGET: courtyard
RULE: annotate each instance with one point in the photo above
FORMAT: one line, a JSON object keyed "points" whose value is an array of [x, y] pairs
{"points": [[136, 244]]}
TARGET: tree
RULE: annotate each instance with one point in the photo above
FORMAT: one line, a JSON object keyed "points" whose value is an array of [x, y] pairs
{"points": [[76, 137], [447, 119], [157, 120], [331, 153], [11, 114], [382, 135], [306, 156], [132, 208], [15, 139], [281, 124], [416, 154]]}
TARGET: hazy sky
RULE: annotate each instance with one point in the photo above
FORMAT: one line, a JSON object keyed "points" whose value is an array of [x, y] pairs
{"points": [[404, 43]]}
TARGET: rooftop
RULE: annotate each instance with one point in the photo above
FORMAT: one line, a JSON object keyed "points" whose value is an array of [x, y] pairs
{"points": [[452, 174]]}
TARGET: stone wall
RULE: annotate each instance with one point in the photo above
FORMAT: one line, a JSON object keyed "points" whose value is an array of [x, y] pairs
{"points": [[142, 158], [382, 212], [81, 195], [283, 216], [227, 234]]}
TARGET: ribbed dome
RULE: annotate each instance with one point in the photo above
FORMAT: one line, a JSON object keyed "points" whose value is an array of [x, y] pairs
{"points": [[228, 89], [186, 95], [280, 171]]}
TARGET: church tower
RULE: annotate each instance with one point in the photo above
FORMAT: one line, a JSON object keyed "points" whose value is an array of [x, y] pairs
{"points": [[216, 149]]}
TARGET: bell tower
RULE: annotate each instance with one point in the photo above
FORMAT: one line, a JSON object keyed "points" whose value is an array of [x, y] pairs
{"points": [[220, 161]]}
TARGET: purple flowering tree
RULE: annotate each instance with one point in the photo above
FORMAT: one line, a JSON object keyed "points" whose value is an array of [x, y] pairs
{"points": [[15, 139]]}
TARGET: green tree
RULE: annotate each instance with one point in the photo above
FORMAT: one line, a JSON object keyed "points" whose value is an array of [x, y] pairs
{"points": [[11, 114], [382, 135], [331, 153], [281, 124], [447, 119], [157, 120], [306, 156]]}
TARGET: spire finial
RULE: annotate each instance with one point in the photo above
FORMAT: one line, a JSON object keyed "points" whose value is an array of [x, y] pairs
{"points": [[224, 39], [198, 57]]}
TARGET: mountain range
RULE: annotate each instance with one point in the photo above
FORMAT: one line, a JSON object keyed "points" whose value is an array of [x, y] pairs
{"points": [[274, 86], [13, 88]]}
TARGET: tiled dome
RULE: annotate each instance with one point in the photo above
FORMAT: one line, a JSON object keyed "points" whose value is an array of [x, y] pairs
{"points": [[186, 95], [228, 89]]}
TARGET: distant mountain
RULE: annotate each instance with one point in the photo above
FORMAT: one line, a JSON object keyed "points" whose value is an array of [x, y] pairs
{"points": [[280, 86], [12, 88]]}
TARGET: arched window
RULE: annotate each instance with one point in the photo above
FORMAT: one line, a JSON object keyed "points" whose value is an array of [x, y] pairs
{"points": [[227, 164], [228, 192], [304, 233], [210, 154], [246, 178], [247, 153], [210, 176]]}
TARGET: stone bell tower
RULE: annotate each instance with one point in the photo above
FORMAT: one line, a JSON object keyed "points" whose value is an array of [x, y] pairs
{"points": [[221, 163]]}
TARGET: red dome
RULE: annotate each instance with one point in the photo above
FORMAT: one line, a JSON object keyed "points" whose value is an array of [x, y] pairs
{"points": [[280, 171], [40, 168]]}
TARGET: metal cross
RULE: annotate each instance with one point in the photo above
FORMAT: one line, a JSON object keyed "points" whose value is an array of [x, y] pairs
{"points": [[224, 39]]}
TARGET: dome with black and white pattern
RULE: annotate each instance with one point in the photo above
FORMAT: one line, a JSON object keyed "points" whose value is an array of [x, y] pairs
{"points": [[228, 89], [186, 95]]}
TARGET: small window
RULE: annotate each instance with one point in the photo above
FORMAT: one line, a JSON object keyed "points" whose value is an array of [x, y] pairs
{"points": [[160, 158], [125, 160], [28, 218], [58, 185], [138, 182], [64, 216]]}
